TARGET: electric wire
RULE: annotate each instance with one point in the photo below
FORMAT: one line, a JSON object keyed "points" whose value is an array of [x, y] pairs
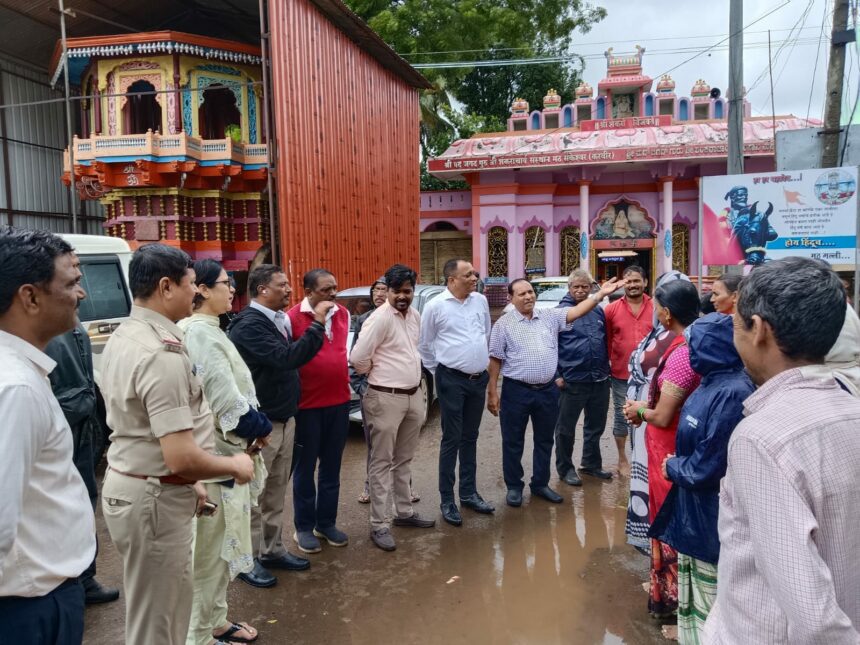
{"points": [[590, 44], [671, 69], [561, 58], [817, 54], [788, 39]]}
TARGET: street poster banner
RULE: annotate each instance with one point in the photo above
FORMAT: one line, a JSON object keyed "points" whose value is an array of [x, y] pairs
{"points": [[753, 218]]}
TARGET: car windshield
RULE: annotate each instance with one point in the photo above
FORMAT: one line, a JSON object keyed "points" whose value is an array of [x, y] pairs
{"points": [[540, 286], [356, 305], [555, 294]]}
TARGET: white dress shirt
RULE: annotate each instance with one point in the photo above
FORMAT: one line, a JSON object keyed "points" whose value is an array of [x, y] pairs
{"points": [[47, 527], [456, 333], [790, 519], [278, 318]]}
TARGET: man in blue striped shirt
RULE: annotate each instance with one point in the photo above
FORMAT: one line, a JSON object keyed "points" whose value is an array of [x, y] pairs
{"points": [[524, 350]]}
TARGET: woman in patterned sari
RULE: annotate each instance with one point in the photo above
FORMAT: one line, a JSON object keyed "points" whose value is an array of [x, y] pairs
{"points": [[643, 364], [676, 307], [222, 540]]}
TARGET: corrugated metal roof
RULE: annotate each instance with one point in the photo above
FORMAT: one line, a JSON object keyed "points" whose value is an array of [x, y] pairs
{"points": [[29, 29]]}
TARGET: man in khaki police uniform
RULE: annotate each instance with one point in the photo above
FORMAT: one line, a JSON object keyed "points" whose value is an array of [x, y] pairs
{"points": [[161, 443]]}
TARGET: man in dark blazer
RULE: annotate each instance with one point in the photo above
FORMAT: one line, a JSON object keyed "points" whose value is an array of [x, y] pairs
{"points": [[261, 334]]}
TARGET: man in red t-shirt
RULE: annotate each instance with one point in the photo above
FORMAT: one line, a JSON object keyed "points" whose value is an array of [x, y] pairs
{"points": [[322, 422], [628, 321]]}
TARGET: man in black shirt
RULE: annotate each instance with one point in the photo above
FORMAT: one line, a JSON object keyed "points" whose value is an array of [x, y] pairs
{"points": [[262, 336]]}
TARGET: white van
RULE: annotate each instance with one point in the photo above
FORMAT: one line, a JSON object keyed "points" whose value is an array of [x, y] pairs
{"points": [[104, 265]]}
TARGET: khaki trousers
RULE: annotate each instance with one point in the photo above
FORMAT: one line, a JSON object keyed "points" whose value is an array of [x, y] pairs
{"points": [[151, 526], [394, 425], [211, 574], [267, 518]]}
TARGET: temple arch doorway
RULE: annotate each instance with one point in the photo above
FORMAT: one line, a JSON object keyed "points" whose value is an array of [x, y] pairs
{"points": [[141, 111], [217, 111], [440, 242]]}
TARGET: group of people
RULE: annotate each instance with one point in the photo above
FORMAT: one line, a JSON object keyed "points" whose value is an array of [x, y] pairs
{"points": [[208, 426], [738, 417]]}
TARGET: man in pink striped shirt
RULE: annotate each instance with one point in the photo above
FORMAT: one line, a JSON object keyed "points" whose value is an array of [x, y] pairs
{"points": [[387, 351], [789, 511]]}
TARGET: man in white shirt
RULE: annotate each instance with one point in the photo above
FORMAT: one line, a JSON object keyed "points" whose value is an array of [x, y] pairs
{"points": [[47, 528], [455, 331]]}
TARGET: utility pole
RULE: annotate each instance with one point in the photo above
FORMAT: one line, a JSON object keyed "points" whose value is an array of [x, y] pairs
{"points": [[835, 75], [73, 204], [736, 88]]}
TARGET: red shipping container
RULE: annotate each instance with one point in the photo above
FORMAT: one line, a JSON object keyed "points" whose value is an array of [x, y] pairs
{"points": [[346, 119]]}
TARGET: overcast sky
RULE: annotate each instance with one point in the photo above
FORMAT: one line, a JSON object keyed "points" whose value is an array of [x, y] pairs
{"points": [[664, 27]]}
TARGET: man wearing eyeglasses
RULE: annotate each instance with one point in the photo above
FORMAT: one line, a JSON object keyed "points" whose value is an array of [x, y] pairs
{"points": [[455, 331]]}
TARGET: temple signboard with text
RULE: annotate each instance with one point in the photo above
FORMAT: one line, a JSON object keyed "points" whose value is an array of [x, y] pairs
{"points": [[753, 218]]}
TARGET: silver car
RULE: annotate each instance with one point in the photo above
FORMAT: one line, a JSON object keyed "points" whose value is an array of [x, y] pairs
{"points": [[357, 302]]}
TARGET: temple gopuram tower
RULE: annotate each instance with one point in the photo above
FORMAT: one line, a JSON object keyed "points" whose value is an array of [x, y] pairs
{"points": [[170, 141]]}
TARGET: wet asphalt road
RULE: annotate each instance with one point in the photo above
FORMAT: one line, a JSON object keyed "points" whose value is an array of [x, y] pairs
{"points": [[539, 574]]}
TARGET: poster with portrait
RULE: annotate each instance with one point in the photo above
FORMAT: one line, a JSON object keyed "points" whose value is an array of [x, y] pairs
{"points": [[753, 218]]}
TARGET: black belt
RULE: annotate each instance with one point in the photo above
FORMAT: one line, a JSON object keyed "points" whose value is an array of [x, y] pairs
{"points": [[393, 390], [531, 386], [471, 377]]}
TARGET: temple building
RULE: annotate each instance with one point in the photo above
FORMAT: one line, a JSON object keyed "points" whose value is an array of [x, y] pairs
{"points": [[170, 140], [605, 182]]}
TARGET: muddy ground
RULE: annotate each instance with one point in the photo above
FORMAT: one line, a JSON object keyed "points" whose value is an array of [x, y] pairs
{"points": [[539, 574]]}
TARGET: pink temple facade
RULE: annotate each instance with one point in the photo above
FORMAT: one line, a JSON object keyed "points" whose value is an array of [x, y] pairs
{"points": [[602, 183]]}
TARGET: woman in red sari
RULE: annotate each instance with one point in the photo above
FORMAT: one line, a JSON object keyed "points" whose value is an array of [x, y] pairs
{"points": [[676, 307]]}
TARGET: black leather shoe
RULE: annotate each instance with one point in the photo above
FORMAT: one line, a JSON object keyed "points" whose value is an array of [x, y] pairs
{"points": [[477, 504], [96, 594], [258, 577], [451, 514], [287, 562], [571, 478], [548, 494], [596, 472], [415, 521], [514, 497]]}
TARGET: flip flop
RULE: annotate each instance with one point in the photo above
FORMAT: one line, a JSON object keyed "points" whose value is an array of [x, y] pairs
{"points": [[229, 637]]}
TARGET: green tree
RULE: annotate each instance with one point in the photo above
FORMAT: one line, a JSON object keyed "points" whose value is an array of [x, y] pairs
{"points": [[460, 126], [437, 31], [491, 90], [429, 31]]}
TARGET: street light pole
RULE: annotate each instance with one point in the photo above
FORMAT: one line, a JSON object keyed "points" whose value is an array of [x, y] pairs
{"points": [[70, 133], [736, 91]]}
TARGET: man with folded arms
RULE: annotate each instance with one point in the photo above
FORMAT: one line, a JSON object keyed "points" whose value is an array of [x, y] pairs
{"points": [[47, 530], [524, 349], [387, 352], [161, 445]]}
